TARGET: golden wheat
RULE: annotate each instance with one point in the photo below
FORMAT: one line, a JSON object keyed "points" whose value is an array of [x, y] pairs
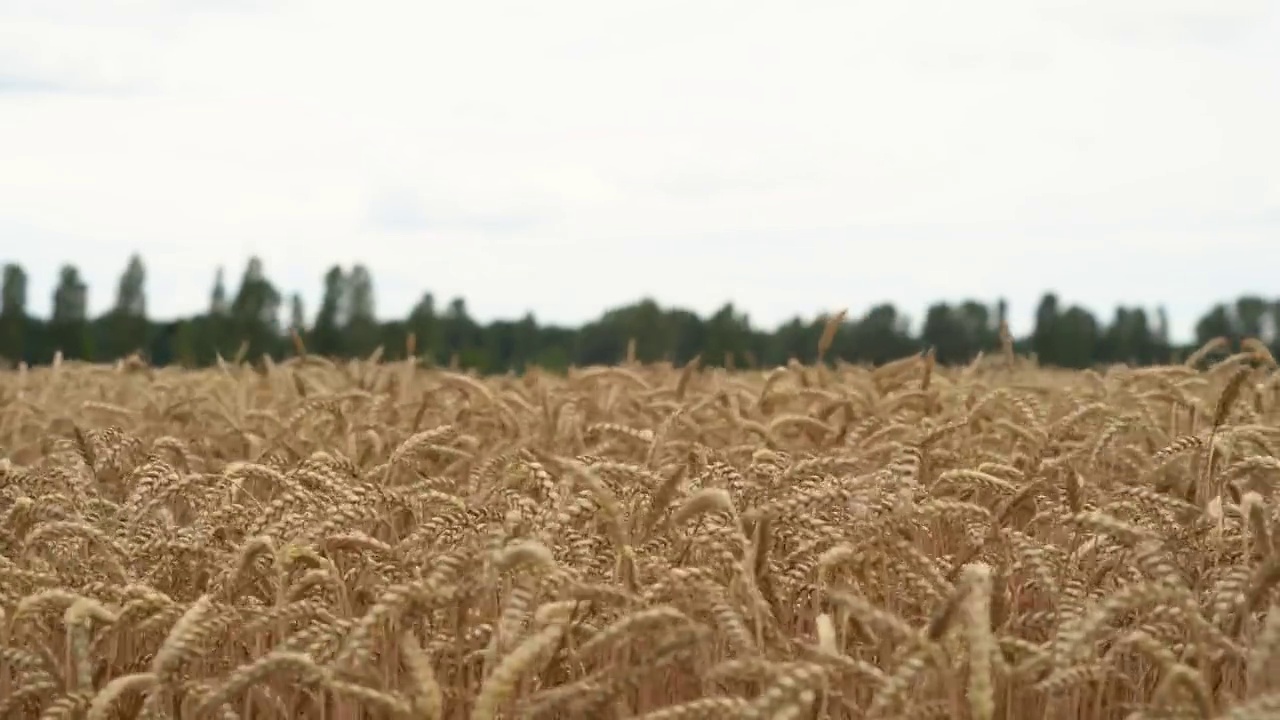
{"points": [[326, 539]]}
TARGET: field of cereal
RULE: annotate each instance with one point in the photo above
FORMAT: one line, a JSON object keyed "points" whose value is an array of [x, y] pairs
{"points": [[379, 540]]}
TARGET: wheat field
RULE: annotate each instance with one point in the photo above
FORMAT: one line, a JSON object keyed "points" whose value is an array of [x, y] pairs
{"points": [[379, 540]]}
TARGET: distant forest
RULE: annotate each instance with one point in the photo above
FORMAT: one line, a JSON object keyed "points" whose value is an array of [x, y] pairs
{"points": [[247, 322]]}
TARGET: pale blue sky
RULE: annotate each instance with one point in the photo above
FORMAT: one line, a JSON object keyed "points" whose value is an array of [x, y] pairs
{"points": [[567, 156]]}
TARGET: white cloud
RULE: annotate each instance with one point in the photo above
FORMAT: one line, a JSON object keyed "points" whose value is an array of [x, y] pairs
{"points": [[569, 155]]}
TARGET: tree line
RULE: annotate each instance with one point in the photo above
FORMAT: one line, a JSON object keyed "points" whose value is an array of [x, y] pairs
{"points": [[247, 322]]}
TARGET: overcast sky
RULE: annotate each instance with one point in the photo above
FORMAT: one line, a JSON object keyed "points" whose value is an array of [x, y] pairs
{"points": [[565, 156]]}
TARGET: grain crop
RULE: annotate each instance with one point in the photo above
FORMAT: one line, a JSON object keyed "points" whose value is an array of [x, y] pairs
{"points": [[371, 539]]}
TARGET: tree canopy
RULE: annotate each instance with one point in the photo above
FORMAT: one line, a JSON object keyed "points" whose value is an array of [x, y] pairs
{"points": [[345, 325]]}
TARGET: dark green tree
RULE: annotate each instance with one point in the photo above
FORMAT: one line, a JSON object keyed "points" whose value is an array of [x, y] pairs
{"points": [[1075, 338], [1161, 331], [70, 297], [881, 336], [463, 336], [257, 302], [689, 334], [68, 326], [13, 291], [205, 337], [982, 323], [796, 339], [297, 314], [131, 295], [218, 305], [126, 322], [1218, 322], [326, 333], [524, 345], [1044, 339], [601, 342], [360, 333], [186, 348], [644, 323], [1128, 339], [1275, 328], [1251, 314], [427, 329], [945, 331], [728, 337], [959, 333], [255, 311], [346, 326], [13, 313]]}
